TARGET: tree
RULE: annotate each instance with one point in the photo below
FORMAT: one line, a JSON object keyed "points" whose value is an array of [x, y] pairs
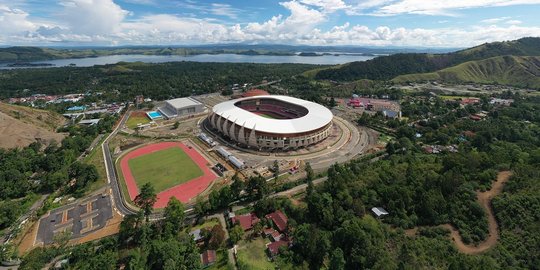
{"points": [[174, 215], [62, 239], [309, 172], [257, 229], [176, 125], [201, 206], [275, 169], [337, 261], [257, 187], [146, 199], [236, 234], [217, 236], [309, 179], [237, 186], [332, 102], [129, 227]]}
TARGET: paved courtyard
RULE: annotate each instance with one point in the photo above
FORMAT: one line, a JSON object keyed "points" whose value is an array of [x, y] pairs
{"points": [[81, 219]]}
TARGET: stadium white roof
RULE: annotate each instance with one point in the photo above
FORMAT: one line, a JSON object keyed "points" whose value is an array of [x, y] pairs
{"points": [[183, 102], [317, 117]]}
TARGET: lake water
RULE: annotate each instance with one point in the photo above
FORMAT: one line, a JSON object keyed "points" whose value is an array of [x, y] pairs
{"points": [[231, 58]]}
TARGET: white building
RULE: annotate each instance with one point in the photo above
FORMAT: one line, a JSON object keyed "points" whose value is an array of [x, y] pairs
{"points": [[180, 107]]}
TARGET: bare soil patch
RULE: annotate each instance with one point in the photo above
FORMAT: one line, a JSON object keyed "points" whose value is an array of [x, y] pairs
{"points": [[16, 133]]}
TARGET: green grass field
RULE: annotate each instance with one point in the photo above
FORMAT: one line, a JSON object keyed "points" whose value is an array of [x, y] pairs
{"points": [[266, 115], [137, 118], [164, 169], [252, 255]]}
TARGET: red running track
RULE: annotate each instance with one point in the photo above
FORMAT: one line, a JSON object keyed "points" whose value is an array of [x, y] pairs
{"points": [[183, 192]]}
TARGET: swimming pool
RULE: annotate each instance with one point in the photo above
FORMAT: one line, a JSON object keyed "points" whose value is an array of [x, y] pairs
{"points": [[154, 115]]}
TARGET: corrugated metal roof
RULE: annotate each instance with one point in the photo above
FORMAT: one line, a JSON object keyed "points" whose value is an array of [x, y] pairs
{"points": [[183, 102]]}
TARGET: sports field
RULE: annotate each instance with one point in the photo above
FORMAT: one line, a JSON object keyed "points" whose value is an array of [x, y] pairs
{"points": [[136, 118], [164, 169], [173, 168]]}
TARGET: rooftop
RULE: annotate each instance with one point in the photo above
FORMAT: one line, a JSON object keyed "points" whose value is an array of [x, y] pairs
{"points": [[183, 102], [246, 221], [274, 246], [196, 235], [279, 219], [379, 211], [254, 92], [317, 117], [208, 257]]}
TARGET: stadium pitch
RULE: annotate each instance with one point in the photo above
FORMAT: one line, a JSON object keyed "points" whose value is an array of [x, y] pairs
{"points": [[173, 168], [164, 169]]}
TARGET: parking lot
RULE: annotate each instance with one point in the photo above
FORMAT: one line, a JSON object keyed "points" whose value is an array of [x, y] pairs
{"points": [[80, 219]]}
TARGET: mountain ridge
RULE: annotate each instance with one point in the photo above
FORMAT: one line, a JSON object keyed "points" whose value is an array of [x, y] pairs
{"points": [[519, 71], [390, 67]]}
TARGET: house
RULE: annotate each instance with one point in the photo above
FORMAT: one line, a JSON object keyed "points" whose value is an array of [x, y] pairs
{"points": [[246, 221], [273, 234], [273, 248], [469, 101], [475, 117], [197, 235], [379, 211], [279, 219], [391, 114], [208, 258]]}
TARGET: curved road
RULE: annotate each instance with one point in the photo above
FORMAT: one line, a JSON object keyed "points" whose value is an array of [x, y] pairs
{"points": [[112, 179]]}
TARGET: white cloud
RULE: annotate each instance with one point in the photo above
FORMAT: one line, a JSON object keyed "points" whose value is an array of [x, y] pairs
{"points": [[495, 20], [326, 5], [224, 10], [13, 20], [513, 22], [432, 7], [301, 25], [93, 17]]}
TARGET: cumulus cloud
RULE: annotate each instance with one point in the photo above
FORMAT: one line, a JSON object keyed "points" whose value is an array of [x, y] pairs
{"points": [[93, 17], [13, 20], [102, 22], [435, 7]]}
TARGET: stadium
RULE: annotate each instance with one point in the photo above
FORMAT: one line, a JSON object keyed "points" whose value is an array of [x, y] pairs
{"points": [[272, 122]]}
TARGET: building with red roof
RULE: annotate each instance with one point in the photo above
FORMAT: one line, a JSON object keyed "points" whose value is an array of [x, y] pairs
{"points": [[208, 257], [255, 92], [246, 221], [273, 248], [279, 219], [469, 101]]}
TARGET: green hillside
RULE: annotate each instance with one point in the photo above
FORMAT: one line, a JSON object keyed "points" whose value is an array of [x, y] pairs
{"points": [[520, 71], [389, 67]]}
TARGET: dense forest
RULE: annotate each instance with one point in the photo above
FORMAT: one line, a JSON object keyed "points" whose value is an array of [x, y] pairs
{"points": [[157, 81], [388, 67], [335, 230]]}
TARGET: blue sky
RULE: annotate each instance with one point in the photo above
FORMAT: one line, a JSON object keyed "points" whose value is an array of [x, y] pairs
{"points": [[411, 23]]}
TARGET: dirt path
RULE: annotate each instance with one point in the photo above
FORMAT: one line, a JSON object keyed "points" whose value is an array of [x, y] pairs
{"points": [[484, 199]]}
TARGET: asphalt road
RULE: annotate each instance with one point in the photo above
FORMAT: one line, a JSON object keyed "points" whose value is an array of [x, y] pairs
{"points": [[118, 201]]}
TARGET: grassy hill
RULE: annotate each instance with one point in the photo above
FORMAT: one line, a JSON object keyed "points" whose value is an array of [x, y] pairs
{"points": [[389, 67], [20, 126], [520, 71]]}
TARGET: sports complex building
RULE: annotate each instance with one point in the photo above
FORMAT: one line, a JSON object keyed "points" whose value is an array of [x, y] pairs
{"points": [[181, 106], [272, 122]]}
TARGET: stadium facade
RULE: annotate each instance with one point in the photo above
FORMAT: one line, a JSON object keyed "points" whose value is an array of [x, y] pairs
{"points": [[272, 122]]}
